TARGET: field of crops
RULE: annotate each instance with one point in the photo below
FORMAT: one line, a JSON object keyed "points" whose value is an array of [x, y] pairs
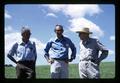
{"points": [[107, 70]]}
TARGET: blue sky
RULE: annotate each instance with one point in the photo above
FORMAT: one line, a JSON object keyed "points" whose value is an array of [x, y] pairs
{"points": [[42, 18]]}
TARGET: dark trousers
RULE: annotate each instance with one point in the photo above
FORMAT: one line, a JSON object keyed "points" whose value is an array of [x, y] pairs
{"points": [[25, 70]]}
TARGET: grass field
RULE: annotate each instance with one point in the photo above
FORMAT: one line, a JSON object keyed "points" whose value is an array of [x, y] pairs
{"points": [[107, 70]]}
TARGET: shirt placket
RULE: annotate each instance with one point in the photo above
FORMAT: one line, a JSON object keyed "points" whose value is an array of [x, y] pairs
{"points": [[25, 54]]}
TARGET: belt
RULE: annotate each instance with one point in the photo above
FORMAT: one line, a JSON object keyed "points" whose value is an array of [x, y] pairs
{"points": [[59, 59], [26, 61], [88, 60]]}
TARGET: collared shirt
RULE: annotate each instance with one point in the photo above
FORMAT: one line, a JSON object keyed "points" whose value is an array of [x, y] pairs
{"points": [[58, 48], [90, 49], [24, 51]]}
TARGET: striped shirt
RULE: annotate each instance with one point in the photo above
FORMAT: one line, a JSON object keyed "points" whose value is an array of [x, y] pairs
{"points": [[90, 49]]}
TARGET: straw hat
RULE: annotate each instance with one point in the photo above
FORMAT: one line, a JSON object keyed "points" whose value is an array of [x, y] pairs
{"points": [[84, 30]]}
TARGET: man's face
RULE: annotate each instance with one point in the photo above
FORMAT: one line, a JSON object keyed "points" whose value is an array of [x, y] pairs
{"points": [[26, 35], [83, 36], [58, 30]]}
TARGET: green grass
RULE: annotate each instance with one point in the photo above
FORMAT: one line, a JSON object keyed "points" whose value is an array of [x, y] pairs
{"points": [[107, 70], [10, 72]]}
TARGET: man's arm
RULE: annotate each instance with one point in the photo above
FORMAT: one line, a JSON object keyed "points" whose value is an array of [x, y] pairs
{"points": [[35, 52], [103, 55], [104, 51], [12, 52], [46, 50], [11, 58], [73, 49]]}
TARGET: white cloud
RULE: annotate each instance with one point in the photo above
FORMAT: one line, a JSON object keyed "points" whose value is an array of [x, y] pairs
{"points": [[56, 8], [7, 15], [12, 38], [77, 15], [75, 11], [39, 45], [96, 37], [78, 23], [112, 37], [9, 29], [52, 15]]}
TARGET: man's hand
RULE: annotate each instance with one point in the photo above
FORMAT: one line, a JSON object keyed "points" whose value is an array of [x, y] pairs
{"points": [[97, 62], [50, 61], [70, 60], [11, 58]]}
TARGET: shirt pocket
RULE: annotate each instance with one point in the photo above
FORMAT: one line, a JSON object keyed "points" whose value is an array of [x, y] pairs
{"points": [[20, 51], [29, 51], [89, 52]]}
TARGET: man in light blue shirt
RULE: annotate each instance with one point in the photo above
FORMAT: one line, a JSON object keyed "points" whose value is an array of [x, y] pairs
{"points": [[26, 56], [56, 53], [89, 55]]}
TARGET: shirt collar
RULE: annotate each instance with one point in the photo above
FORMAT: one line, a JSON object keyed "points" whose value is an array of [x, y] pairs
{"points": [[57, 39], [87, 41], [23, 43]]}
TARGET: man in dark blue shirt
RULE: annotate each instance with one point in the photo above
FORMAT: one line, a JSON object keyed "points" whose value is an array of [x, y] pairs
{"points": [[56, 53]]}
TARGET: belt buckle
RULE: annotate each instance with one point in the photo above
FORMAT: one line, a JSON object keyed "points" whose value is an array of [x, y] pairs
{"points": [[92, 60]]}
